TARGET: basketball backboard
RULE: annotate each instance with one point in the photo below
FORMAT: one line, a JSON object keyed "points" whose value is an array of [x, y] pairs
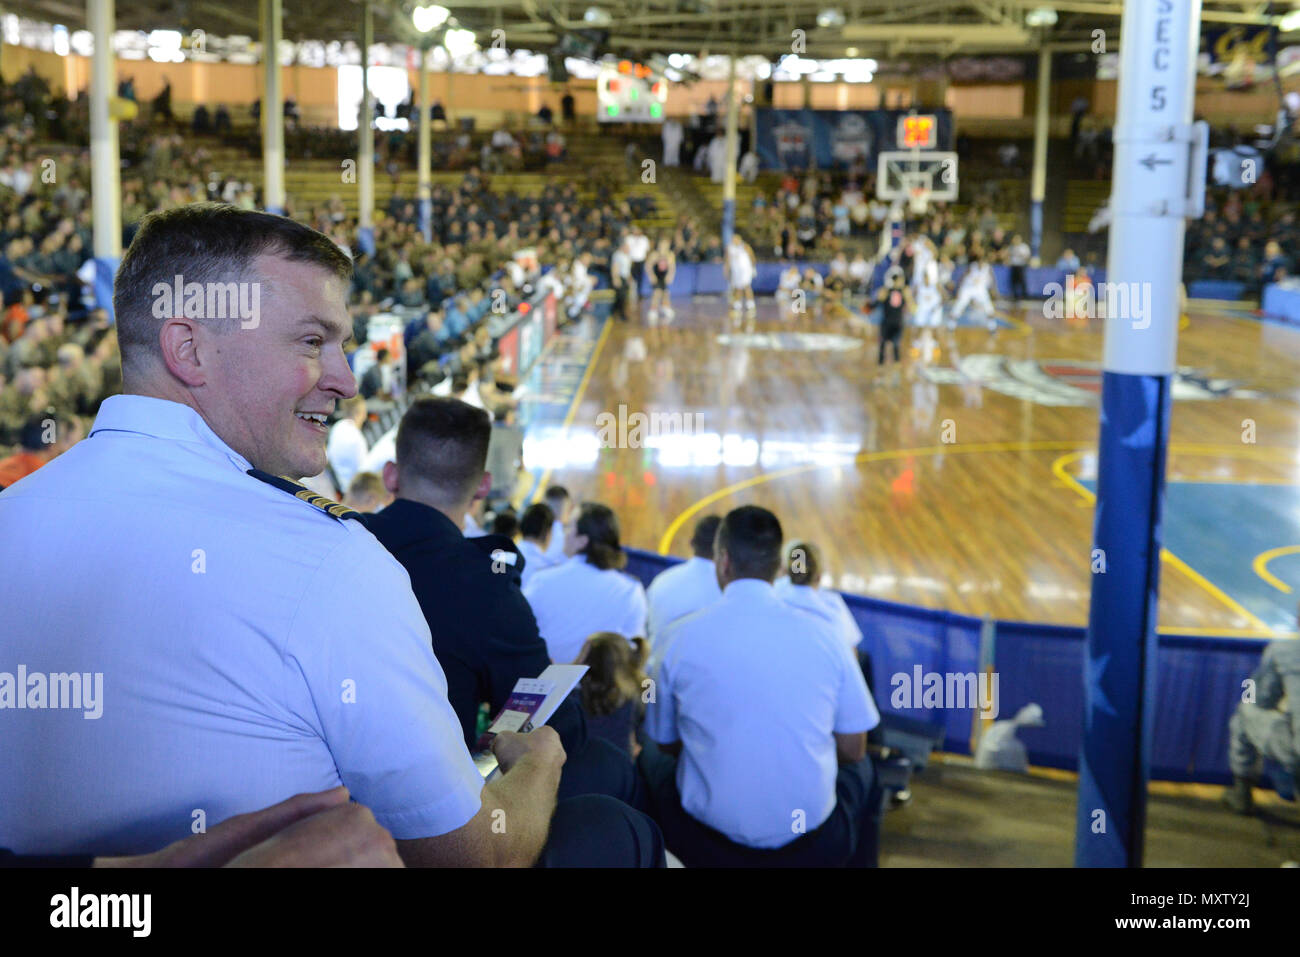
{"points": [[903, 175]]}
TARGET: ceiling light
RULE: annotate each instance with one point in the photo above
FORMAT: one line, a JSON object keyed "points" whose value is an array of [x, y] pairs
{"points": [[830, 18], [1040, 17], [429, 18]]}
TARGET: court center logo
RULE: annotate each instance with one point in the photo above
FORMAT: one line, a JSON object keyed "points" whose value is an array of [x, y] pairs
{"points": [[209, 300]]}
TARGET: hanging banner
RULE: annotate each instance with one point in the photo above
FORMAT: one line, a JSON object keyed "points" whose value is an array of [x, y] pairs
{"points": [[830, 139]]}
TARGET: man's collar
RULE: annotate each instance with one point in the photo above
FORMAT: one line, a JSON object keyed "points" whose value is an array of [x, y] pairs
{"points": [[405, 521], [748, 589], [161, 419]]}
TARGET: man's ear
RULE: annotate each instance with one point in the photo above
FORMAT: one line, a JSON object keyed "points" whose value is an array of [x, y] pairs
{"points": [[484, 486], [390, 477], [178, 340]]}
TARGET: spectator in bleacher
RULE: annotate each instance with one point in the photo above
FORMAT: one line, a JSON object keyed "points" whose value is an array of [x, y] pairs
{"points": [[1068, 262], [347, 446], [588, 592], [534, 537], [1275, 265], [801, 587], [483, 631], [613, 689], [1245, 264], [684, 588], [377, 381], [1216, 262], [366, 493], [506, 523], [757, 751]]}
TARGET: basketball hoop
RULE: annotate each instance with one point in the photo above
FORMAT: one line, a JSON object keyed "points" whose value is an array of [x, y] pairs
{"points": [[918, 198]]}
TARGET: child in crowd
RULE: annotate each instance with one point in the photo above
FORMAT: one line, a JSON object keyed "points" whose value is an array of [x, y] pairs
{"points": [[611, 692]]}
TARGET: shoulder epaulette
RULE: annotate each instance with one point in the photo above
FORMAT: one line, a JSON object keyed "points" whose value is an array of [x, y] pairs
{"points": [[298, 490]]}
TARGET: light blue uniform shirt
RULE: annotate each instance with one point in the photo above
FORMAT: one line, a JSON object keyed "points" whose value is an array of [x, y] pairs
{"points": [[755, 690], [675, 592], [575, 600], [252, 647]]}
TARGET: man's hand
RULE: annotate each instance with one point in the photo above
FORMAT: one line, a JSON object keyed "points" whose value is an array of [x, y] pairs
{"points": [[509, 747], [335, 833], [344, 836]]}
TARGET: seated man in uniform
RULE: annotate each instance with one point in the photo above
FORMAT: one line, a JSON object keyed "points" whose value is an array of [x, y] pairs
{"points": [[209, 664], [761, 717], [1267, 726], [484, 632]]}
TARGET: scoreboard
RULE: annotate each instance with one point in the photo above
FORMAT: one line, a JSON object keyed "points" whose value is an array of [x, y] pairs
{"points": [[628, 92], [917, 132]]}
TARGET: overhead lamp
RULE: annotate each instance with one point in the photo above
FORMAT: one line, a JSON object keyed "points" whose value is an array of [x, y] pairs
{"points": [[597, 16], [429, 18], [459, 42], [1040, 17], [1289, 22], [830, 18]]}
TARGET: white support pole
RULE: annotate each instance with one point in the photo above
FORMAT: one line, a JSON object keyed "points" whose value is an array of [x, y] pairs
{"points": [[105, 186], [272, 110], [1042, 115], [729, 174], [425, 152], [366, 141], [1149, 198]]}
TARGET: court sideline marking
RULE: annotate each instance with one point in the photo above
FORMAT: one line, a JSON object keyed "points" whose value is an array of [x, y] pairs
{"points": [[539, 489]]}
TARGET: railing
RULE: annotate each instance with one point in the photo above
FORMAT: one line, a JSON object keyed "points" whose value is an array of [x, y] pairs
{"points": [[1199, 680]]}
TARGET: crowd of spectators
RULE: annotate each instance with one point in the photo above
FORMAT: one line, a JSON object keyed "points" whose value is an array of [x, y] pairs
{"points": [[1241, 238]]}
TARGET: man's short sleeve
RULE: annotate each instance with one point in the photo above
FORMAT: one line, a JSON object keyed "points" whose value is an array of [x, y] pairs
{"points": [[361, 671], [855, 709]]}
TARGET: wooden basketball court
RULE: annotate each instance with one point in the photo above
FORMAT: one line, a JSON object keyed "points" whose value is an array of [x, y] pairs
{"points": [[963, 481]]}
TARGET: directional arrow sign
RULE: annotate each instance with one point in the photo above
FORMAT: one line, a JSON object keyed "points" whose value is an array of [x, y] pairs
{"points": [[1151, 162]]}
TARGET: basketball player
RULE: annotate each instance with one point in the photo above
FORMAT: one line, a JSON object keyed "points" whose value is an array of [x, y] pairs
{"points": [[929, 296], [923, 254], [786, 288], [739, 270], [663, 265], [895, 302], [974, 289]]}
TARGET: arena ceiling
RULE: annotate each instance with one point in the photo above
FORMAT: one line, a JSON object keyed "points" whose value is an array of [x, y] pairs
{"points": [[832, 28]]}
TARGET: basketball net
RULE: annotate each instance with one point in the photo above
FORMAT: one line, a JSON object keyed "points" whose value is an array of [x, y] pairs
{"points": [[918, 198]]}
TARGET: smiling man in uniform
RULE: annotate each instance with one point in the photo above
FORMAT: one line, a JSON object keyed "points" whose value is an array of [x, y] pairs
{"points": [[167, 552]]}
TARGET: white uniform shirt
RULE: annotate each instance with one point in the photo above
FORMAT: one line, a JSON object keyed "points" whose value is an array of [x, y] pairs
{"points": [[534, 560], [824, 603], [236, 672], [755, 690], [638, 247], [575, 600], [555, 548], [676, 592], [347, 449]]}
